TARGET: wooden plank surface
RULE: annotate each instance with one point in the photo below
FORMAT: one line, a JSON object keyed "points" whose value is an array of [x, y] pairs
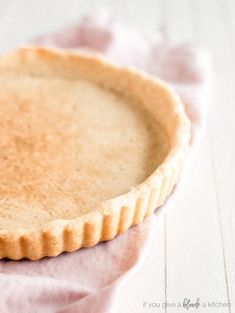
{"points": [[193, 254], [218, 35]]}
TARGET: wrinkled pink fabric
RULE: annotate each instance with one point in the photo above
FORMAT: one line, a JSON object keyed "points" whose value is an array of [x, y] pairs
{"points": [[86, 281]]}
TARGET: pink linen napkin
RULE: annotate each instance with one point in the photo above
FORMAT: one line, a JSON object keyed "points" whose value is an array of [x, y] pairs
{"points": [[86, 281]]}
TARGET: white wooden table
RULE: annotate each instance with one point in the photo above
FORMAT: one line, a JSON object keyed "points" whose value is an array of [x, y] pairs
{"points": [[193, 254]]}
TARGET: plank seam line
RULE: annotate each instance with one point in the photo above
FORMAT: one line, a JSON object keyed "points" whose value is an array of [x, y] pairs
{"points": [[218, 207]]}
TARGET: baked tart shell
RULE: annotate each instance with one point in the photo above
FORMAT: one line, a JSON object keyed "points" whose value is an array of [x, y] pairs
{"points": [[116, 215]]}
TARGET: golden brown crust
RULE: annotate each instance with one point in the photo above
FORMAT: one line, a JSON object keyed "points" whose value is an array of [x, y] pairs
{"points": [[116, 215]]}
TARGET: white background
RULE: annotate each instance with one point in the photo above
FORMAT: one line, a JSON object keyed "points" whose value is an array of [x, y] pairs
{"points": [[193, 254]]}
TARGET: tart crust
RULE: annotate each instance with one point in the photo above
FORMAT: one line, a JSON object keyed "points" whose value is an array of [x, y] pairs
{"points": [[116, 215]]}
